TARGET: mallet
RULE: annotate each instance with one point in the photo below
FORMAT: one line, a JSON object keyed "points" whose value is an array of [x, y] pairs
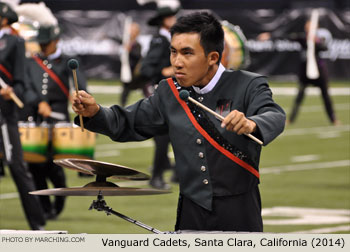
{"points": [[185, 95], [13, 96], [73, 65]]}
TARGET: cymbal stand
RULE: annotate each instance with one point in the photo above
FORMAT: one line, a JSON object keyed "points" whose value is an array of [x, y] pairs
{"points": [[101, 205]]}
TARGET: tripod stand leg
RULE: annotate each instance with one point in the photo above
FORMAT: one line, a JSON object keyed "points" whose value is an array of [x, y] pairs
{"points": [[100, 205]]}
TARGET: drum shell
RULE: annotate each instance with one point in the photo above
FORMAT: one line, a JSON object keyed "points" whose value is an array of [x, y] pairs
{"points": [[235, 54], [34, 140], [68, 141]]}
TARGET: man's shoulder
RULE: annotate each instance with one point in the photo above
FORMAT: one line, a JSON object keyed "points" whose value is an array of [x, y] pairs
{"points": [[159, 39], [242, 76], [242, 73], [12, 39]]}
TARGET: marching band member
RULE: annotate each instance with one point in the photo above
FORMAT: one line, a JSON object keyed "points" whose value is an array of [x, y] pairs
{"points": [[156, 66], [217, 165], [12, 61], [48, 95]]}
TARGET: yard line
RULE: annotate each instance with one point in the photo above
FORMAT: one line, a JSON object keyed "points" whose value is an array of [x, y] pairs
{"points": [[315, 130], [104, 89], [310, 91], [108, 153], [323, 230], [289, 215], [13, 195], [303, 167], [124, 146], [304, 158], [318, 108]]}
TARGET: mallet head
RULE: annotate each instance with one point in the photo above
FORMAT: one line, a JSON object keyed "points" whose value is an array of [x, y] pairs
{"points": [[184, 94], [73, 64]]}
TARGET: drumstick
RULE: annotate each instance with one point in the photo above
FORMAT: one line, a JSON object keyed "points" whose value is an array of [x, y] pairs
{"points": [[57, 115], [73, 64], [13, 96], [185, 95]]}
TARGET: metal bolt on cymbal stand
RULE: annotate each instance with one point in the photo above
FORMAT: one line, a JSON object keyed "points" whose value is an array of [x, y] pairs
{"points": [[101, 205]]}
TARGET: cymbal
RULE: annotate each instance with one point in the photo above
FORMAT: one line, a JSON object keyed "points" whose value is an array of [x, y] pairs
{"points": [[94, 191], [103, 169]]}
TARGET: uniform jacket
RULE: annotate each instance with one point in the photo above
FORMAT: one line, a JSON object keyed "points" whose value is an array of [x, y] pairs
{"points": [[41, 87], [203, 170], [157, 58], [12, 60]]}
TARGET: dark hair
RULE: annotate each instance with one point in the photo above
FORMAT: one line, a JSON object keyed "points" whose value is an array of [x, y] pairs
{"points": [[207, 26]]}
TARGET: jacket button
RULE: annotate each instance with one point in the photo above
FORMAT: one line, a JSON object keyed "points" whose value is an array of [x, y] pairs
{"points": [[200, 99], [199, 141], [44, 86], [44, 92], [49, 66], [45, 75], [201, 154], [205, 181], [45, 80], [45, 62], [203, 169]]}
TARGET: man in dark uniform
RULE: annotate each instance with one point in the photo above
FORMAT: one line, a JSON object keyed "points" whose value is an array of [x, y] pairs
{"points": [[304, 81], [156, 66], [134, 53], [12, 73], [216, 163], [48, 94]]}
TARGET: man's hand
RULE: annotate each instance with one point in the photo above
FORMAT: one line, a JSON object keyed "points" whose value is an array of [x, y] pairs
{"points": [[44, 109], [84, 104], [168, 71], [6, 92], [237, 122]]}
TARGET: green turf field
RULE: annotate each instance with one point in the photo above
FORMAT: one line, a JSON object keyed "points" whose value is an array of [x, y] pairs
{"points": [[305, 178]]}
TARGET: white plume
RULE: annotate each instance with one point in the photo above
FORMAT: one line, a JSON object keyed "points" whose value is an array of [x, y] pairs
{"points": [[11, 3], [173, 4], [37, 12]]}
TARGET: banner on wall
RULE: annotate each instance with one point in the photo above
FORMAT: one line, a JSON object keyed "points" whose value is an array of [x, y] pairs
{"points": [[95, 36]]}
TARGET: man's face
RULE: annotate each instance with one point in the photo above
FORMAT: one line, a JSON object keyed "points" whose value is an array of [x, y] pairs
{"points": [[169, 21], [189, 62]]}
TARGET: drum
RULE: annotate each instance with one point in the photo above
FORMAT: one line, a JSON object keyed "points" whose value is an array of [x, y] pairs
{"points": [[235, 54], [68, 141], [34, 140]]}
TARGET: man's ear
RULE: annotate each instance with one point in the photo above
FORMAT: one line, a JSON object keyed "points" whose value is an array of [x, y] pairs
{"points": [[213, 58]]}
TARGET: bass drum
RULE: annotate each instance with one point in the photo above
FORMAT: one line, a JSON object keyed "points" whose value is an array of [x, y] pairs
{"points": [[235, 54]]}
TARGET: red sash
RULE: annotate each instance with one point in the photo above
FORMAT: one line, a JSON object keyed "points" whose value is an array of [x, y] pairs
{"points": [[53, 76], [217, 146], [6, 72]]}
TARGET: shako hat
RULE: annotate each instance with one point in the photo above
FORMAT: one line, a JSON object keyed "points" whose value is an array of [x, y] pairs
{"points": [[7, 12], [162, 12]]}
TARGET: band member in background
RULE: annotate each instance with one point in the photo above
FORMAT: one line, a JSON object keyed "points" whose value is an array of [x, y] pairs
{"points": [[137, 81], [304, 80], [12, 74], [156, 66], [48, 84], [217, 165]]}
